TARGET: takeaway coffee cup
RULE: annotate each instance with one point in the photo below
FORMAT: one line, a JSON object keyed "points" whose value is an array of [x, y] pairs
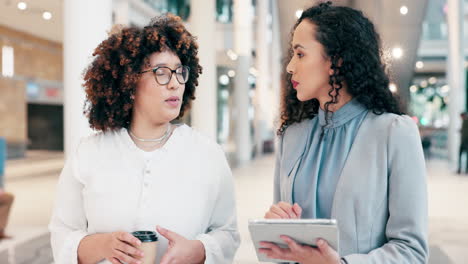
{"points": [[149, 244]]}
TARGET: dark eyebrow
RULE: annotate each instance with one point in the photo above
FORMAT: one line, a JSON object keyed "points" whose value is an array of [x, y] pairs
{"points": [[298, 46]]}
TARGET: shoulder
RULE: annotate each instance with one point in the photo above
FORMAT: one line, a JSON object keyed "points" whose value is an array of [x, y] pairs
{"points": [[97, 142], [291, 142], [296, 131], [389, 124], [199, 142], [99, 138], [203, 151]]}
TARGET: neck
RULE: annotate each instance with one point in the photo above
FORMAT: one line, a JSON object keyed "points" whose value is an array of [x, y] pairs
{"points": [[343, 98], [147, 130]]}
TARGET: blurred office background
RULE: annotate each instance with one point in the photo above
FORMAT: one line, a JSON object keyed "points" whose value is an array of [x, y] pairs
{"points": [[46, 45]]}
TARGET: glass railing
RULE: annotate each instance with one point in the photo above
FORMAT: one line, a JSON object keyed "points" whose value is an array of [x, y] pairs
{"points": [[177, 7], [224, 8], [224, 11], [434, 31]]}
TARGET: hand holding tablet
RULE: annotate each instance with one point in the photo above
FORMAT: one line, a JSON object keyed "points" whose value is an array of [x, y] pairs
{"points": [[292, 232]]}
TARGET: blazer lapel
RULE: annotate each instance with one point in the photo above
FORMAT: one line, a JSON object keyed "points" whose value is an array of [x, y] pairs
{"points": [[294, 143], [348, 168]]}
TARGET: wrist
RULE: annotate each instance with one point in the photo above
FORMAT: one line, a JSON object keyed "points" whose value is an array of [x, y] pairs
{"points": [[99, 240], [200, 252], [89, 244]]}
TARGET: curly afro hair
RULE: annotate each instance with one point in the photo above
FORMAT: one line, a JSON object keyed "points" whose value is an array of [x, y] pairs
{"points": [[353, 46], [111, 79]]}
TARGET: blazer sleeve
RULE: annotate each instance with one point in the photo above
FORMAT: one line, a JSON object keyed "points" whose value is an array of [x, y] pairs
{"points": [[276, 181], [406, 229]]}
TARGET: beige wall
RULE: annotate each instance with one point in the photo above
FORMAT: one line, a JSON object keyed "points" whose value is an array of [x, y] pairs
{"points": [[36, 59]]}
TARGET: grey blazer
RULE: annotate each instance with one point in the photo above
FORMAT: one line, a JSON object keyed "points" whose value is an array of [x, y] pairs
{"points": [[380, 201]]}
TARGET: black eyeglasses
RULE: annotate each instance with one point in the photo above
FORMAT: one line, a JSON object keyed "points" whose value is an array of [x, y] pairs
{"points": [[163, 74]]}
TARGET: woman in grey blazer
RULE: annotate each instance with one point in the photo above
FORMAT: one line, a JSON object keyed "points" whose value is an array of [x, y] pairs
{"points": [[346, 151]]}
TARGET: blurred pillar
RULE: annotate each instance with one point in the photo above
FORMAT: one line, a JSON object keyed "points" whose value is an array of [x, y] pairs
{"points": [[85, 25], [262, 98], [243, 15], [3, 156], [276, 65], [121, 9], [203, 26], [456, 76]]}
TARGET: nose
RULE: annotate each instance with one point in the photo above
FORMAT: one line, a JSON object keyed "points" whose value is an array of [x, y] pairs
{"points": [[173, 83], [290, 67]]}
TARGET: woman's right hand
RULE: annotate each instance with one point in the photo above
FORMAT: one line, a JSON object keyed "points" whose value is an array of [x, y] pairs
{"points": [[284, 210], [116, 247]]}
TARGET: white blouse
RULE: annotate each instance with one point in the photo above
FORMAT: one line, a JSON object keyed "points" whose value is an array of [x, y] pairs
{"points": [[110, 185]]}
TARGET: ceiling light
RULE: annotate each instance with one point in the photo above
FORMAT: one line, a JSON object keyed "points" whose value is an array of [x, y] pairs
{"points": [[47, 15], [403, 10], [397, 52], [253, 71], [419, 64], [445, 89], [232, 55], [22, 5], [224, 79]]}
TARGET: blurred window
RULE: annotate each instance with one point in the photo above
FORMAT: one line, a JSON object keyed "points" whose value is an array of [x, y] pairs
{"points": [[8, 65], [177, 7]]}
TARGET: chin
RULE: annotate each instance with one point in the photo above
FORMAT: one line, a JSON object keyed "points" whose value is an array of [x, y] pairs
{"points": [[302, 98], [172, 116]]}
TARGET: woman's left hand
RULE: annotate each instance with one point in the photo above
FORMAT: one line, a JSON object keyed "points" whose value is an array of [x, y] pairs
{"points": [[180, 249], [303, 254]]}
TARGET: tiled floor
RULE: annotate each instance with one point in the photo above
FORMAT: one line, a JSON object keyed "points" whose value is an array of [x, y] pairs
{"points": [[33, 182]]}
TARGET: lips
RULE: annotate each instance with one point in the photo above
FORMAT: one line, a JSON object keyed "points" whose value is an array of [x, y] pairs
{"points": [[173, 98], [294, 83], [173, 101]]}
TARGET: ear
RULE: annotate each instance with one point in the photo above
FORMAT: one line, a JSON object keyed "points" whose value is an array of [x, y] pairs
{"points": [[331, 71], [340, 62]]}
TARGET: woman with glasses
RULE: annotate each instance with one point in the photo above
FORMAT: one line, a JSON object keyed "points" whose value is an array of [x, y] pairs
{"points": [[142, 172]]}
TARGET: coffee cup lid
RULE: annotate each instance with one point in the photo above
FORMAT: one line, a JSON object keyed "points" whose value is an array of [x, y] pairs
{"points": [[145, 236]]}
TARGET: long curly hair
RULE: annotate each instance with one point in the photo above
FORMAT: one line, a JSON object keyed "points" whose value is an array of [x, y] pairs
{"points": [[112, 77], [353, 46]]}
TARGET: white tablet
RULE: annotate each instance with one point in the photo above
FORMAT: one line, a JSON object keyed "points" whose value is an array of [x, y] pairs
{"points": [[303, 231]]}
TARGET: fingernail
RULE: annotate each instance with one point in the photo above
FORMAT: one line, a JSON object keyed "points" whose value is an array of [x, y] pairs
{"points": [[320, 242], [142, 254]]}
